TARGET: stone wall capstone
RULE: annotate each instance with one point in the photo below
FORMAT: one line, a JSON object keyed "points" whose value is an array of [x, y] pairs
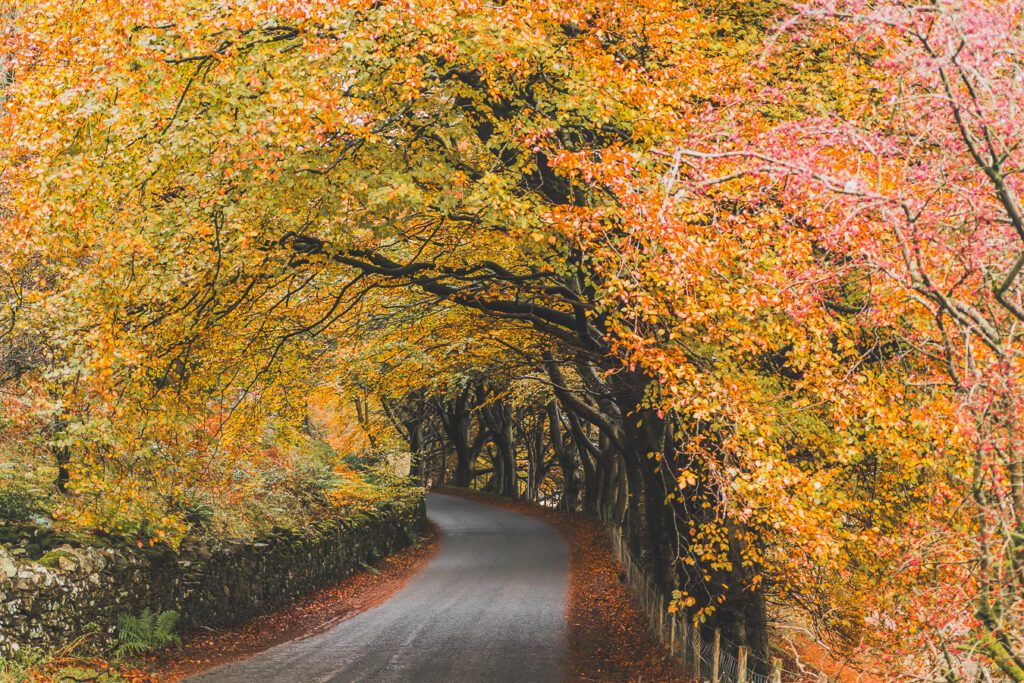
{"points": [[75, 591]]}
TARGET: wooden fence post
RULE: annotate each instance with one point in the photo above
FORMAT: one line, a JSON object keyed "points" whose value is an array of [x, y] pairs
{"points": [[695, 648], [776, 670], [741, 664], [716, 656], [684, 643]]}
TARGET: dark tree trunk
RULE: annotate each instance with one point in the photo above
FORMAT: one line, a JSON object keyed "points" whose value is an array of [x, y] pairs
{"points": [[566, 461], [463, 457], [590, 488], [497, 413], [537, 466], [416, 470], [62, 455], [410, 418], [455, 417]]}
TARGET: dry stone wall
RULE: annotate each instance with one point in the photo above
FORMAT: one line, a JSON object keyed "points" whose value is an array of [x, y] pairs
{"points": [[73, 591]]}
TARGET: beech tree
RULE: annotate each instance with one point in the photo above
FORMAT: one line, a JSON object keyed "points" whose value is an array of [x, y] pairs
{"points": [[748, 298], [910, 189]]}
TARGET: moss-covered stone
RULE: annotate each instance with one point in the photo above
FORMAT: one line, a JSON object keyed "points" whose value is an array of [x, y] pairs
{"points": [[52, 558], [76, 590]]}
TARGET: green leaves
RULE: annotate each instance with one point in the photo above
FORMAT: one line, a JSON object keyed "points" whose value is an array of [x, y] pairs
{"points": [[147, 632]]}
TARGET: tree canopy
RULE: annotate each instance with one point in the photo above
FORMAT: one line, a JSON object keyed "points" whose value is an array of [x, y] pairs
{"points": [[740, 277]]}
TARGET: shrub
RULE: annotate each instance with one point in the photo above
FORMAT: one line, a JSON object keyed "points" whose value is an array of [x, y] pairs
{"points": [[17, 504]]}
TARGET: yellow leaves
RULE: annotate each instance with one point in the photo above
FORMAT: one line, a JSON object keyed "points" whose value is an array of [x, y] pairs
{"points": [[681, 601], [177, 280], [687, 478]]}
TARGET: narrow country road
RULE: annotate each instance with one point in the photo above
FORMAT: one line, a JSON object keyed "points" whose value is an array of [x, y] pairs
{"points": [[489, 607]]}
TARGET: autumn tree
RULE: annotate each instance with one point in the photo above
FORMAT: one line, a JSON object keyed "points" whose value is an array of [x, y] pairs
{"points": [[617, 247]]}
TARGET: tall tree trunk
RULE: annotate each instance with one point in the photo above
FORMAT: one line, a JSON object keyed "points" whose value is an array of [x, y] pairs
{"points": [[416, 470], [507, 448], [566, 461], [455, 417]]}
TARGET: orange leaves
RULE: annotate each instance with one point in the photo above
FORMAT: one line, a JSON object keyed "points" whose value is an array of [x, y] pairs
{"points": [[211, 193]]}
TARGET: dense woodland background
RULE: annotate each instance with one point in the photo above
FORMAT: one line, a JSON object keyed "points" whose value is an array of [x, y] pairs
{"points": [[742, 277]]}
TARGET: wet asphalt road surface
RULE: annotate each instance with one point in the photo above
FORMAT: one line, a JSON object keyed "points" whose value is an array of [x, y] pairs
{"points": [[488, 608]]}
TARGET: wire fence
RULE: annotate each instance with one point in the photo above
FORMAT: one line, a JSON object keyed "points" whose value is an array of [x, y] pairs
{"points": [[716, 660]]}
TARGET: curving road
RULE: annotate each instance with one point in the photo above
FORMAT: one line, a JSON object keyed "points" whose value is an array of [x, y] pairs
{"points": [[488, 608]]}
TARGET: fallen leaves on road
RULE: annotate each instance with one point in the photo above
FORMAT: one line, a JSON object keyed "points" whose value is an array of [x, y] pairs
{"points": [[315, 613], [608, 636]]}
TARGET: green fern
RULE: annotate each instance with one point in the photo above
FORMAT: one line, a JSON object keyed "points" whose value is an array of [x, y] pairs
{"points": [[146, 632]]}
